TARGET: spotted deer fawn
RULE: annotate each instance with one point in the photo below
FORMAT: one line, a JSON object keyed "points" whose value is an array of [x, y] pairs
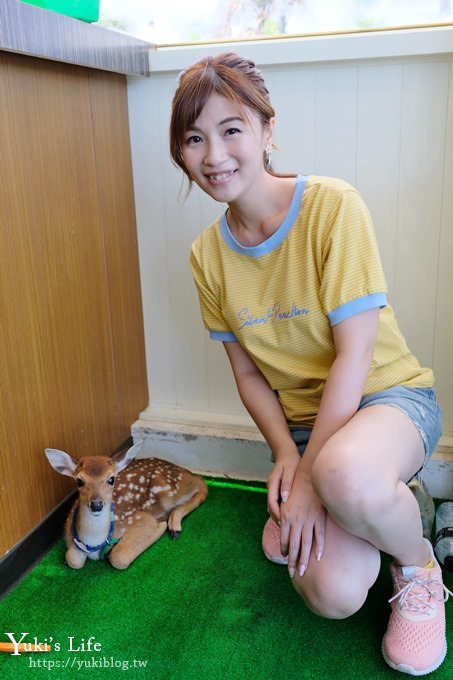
{"points": [[124, 505]]}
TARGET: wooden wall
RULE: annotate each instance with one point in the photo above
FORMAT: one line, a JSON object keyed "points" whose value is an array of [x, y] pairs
{"points": [[72, 363], [30, 30]]}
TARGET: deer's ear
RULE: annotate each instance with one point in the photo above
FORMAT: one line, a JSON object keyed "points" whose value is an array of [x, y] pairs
{"points": [[61, 462], [122, 460]]}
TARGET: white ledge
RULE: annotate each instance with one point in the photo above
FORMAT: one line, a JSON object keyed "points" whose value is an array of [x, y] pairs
{"points": [[382, 44], [199, 423]]}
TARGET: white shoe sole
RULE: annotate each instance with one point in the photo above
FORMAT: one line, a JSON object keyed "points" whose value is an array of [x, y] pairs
{"points": [[276, 560], [404, 668]]}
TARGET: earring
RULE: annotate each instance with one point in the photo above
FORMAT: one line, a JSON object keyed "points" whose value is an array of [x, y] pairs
{"points": [[268, 157]]}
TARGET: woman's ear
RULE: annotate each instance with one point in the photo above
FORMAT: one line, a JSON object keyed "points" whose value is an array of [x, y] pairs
{"points": [[269, 131]]}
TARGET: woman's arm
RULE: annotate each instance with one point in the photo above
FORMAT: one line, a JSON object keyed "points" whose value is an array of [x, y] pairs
{"points": [[264, 407], [354, 340]]}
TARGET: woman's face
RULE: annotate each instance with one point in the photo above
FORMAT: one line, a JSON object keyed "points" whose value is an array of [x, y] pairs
{"points": [[223, 150]]}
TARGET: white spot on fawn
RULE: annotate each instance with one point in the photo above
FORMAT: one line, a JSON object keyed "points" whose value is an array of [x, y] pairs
{"points": [[158, 489]]}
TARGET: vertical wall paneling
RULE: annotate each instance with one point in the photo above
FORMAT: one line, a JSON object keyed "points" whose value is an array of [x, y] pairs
{"points": [[383, 124], [335, 126], [150, 159], [443, 327], [295, 118], [378, 154], [424, 112]]}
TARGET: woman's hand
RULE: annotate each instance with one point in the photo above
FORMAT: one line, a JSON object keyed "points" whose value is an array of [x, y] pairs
{"points": [[302, 525], [280, 481]]}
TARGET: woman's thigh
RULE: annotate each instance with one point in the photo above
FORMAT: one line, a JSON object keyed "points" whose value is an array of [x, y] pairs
{"points": [[418, 404], [379, 443], [394, 431]]}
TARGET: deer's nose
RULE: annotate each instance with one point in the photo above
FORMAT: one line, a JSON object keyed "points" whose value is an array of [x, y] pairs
{"points": [[96, 505]]}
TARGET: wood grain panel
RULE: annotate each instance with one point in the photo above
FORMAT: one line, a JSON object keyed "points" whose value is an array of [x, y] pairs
{"points": [[59, 381], [27, 29], [117, 220]]}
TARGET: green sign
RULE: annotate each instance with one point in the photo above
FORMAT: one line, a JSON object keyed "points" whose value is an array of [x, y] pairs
{"points": [[86, 10]]}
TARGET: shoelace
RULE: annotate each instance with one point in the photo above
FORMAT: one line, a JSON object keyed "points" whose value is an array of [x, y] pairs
{"points": [[416, 594]]}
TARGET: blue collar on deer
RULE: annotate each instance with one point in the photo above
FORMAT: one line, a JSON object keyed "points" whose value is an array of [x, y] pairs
{"points": [[104, 547]]}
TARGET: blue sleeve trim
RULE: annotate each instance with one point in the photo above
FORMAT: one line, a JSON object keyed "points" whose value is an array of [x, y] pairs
{"points": [[223, 336], [355, 306]]}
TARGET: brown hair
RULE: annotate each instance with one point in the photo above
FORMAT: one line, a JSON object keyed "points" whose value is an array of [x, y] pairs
{"points": [[227, 74]]}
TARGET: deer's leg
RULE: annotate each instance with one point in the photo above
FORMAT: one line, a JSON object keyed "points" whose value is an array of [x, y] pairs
{"points": [[143, 531], [177, 515], [75, 557]]}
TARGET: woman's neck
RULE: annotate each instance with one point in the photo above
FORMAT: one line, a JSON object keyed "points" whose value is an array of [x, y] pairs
{"points": [[253, 222]]}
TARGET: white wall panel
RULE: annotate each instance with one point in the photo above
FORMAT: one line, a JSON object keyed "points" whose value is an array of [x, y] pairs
{"points": [[149, 157], [378, 150], [443, 325], [335, 128], [385, 125], [424, 115], [293, 97]]}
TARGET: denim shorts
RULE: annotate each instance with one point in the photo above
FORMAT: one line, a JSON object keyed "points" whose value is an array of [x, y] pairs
{"points": [[418, 403]]}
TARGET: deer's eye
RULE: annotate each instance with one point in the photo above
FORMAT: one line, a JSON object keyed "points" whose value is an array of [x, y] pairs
{"points": [[111, 480], [79, 482]]}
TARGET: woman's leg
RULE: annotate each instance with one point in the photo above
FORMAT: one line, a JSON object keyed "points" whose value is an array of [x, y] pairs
{"points": [[337, 586], [360, 477], [361, 474]]}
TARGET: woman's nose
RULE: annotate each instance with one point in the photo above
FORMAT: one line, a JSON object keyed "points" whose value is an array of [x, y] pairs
{"points": [[215, 153]]}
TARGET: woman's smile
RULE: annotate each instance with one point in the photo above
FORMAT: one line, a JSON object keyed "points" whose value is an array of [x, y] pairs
{"points": [[221, 178]]}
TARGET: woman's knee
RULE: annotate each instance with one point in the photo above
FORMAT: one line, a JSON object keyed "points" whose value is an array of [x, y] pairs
{"points": [[328, 598], [337, 585], [336, 470], [342, 480]]}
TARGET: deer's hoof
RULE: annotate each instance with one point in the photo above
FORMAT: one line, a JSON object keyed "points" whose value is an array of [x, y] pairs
{"points": [[174, 534]]}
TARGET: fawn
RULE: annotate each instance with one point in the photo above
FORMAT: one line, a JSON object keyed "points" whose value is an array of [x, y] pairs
{"points": [[121, 512]]}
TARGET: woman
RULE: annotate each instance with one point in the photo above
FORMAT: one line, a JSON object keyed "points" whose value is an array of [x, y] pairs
{"points": [[290, 280]]}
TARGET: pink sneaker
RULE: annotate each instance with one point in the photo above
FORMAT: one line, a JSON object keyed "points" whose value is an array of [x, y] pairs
{"points": [[271, 542], [415, 640]]}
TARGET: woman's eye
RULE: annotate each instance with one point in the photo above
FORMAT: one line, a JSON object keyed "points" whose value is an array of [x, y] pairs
{"points": [[232, 131], [193, 139]]}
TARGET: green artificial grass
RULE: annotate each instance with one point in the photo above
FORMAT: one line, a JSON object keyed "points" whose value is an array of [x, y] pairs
{"points": [[206, 606]]}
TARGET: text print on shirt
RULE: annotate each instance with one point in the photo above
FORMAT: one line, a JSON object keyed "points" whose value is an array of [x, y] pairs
{"points": [[272, 315]]}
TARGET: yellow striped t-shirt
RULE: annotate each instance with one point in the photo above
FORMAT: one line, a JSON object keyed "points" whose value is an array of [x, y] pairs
{"points": [[280, 299]]}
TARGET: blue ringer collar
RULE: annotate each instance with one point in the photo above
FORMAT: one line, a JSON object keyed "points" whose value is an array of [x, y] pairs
{"points": [[277, 237]]}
